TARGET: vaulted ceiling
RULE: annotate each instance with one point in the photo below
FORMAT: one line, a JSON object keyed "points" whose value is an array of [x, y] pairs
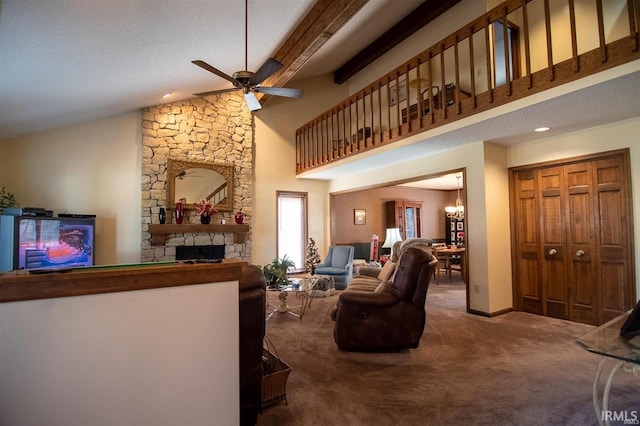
{"points": [[66, 61]]}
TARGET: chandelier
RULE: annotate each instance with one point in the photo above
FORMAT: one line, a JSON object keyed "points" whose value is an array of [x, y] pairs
{"points": [[457, 211]]}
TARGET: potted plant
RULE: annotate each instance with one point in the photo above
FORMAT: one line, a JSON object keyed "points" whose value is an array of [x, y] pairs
{"points": [[275, 273], [7, 199], [205, 209]]}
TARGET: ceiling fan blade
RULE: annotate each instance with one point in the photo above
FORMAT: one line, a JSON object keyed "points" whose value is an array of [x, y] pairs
{"points": [[266, 70], [280, 91], [252, 101], [206, 66], [215, 92]]}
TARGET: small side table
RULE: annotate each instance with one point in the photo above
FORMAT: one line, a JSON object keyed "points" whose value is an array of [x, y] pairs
{"points": [[606, 341], [304, 290]]}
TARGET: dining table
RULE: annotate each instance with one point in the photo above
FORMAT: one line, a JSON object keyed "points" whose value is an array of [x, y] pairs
{"points": [[455, 251]]}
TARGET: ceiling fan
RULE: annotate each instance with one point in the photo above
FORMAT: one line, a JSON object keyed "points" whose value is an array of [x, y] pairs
{"points": [[185, 174], [249, 82]]}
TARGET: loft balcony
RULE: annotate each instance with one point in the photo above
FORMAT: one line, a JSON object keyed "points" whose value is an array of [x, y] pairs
{"points": [[518, 49]]}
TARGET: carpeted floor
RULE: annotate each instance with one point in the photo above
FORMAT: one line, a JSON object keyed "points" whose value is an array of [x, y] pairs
{"points": [[515, 369]]}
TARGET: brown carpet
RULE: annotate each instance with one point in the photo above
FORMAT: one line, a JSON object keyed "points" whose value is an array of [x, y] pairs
{"points": [[515, 369]]}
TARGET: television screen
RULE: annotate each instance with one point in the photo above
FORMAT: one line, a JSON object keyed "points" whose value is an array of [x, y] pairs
{"points": [[44, 243]]}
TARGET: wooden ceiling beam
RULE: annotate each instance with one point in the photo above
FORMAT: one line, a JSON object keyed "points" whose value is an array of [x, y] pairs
{"points": [[324, 19], [416, 19]]}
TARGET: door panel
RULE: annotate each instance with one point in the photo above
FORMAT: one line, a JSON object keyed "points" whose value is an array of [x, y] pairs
{"points": [[615, 292], [527, 281], [573, 230], [583, 304], [554, 276]]}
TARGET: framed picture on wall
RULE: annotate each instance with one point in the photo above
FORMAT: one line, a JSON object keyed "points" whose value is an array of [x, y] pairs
{"points": [[460, 226], [359, 216], [398, 91]]}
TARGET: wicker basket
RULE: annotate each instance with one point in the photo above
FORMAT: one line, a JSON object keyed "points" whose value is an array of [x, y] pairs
{"points": [[274, 379]]}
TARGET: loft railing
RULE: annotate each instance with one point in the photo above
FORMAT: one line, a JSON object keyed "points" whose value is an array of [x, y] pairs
{"points": [[218, 195], [517, 49]]}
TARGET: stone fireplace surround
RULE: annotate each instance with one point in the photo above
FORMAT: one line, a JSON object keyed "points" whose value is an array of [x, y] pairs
{"points": [[218, 129]]}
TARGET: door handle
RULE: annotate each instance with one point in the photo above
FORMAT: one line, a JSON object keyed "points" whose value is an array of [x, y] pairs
{"points": [[580, 253], [552, 252]]}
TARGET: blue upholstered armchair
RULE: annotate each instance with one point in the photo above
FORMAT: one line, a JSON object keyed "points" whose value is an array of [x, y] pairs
{"points": [[339, 265]]}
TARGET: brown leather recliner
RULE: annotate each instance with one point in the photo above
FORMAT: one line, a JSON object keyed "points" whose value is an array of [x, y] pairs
{"points": [[252, 325], [389, 319]]}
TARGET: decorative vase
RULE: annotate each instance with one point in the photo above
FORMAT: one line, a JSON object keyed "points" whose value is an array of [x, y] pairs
{"points": [[179, 213], [162, 216], [239, 217], [205, 220]]}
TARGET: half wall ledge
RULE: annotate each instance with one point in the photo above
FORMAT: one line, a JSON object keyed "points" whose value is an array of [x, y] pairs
{"points": [[159, 232]]}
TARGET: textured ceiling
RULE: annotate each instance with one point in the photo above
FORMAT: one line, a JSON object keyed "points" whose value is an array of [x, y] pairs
{"points": [[68, 61]]}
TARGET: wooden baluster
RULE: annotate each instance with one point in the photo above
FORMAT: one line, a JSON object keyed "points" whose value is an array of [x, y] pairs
{"points": [[407, 97], [389, 107], [350, 128], [443, 94], [473, 69], [574, 36], [430, 79], [373, 136], [380, 112], [547, 24], [335, 132], [487, 42], [603, 45], [345, 140], [527, 47], [357, 123], [317, 147], [398, 103], [456, 65], [297, 151], [419, 102], [507, 43]]}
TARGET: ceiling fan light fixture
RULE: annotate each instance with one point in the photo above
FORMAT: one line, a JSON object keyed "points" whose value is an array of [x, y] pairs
{"points": [[250, 82], [457, 211], [252, 102]]}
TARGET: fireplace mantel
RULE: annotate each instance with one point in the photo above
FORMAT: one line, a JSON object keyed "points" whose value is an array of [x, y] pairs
{"points": [[158, 232]]}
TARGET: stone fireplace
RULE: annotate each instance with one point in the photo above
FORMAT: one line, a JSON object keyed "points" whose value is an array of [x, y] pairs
{"points": [[218, 129]]}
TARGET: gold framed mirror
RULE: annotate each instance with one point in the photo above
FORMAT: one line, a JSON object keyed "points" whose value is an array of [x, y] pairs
{"points": [[194, 181]]}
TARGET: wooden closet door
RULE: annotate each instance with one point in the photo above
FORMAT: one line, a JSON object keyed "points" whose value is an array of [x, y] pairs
{"points": [[613, 238], [527, 280], [572, 225], [553, 240], [583, 298]]}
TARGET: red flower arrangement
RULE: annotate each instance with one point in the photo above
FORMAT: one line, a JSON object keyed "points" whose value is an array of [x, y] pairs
{"points": [[205, 208]]}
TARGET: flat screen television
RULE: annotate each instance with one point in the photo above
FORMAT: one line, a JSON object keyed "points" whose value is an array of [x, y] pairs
{"points": [[51, 242]]}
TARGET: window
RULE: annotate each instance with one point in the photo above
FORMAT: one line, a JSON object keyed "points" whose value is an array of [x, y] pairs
{"points": [[499, 54], [292, 226]]}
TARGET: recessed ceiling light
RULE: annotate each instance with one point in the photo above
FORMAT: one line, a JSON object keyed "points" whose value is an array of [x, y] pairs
{"points": [[166, 95], [541, 129]]}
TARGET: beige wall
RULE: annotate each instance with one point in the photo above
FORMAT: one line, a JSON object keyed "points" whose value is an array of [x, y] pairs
{"points": [[275, 157], [91, 168], [343, 229]]}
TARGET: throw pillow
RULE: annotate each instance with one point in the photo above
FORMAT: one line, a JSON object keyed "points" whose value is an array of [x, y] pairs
{"points": [[387, 271], [386, 287]]}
